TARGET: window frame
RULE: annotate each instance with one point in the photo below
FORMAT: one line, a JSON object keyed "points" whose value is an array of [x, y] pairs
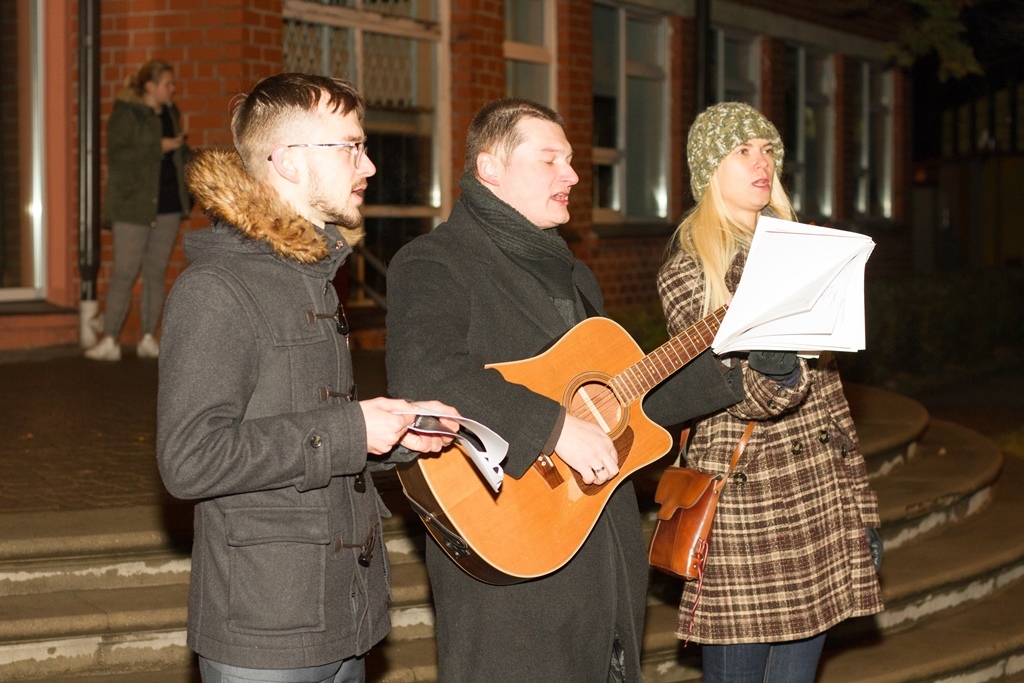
{"points": [[722, 84], [618, 157], [34, 214], [874, 177], [543, 54], [796, 162], [435, 31]]}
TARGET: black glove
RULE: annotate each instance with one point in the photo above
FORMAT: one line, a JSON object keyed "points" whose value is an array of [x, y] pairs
{"points": [[401, 454], [779, 365], [876, 547]]}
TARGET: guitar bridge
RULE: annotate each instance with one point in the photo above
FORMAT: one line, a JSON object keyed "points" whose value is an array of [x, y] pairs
{"points": [[546, 469]]}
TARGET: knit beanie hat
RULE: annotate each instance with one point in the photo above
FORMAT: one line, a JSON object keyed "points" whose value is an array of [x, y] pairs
{"points": [[717, 131]]}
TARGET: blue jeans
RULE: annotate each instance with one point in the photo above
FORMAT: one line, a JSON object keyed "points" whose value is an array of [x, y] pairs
{"points": [[795, 661], [352, 670]]}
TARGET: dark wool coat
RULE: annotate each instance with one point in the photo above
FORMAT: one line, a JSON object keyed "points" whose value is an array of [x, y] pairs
{"points": [[788, 556], [247, 427], [455, 303], [134, 156]]}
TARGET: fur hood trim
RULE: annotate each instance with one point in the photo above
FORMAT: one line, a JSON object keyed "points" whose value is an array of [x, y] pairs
{"points": [[226, 192], [128, 94]]}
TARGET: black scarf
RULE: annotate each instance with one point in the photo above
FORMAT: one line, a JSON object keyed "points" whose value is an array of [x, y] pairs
{"points": [[541, 253]]}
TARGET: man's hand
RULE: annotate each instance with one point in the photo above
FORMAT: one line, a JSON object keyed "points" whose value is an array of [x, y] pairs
{"points": [[385, 427], [588, 450], [430, 443]]}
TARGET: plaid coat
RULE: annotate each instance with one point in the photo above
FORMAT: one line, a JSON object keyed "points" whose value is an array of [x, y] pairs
{"points": [[788, 556]]}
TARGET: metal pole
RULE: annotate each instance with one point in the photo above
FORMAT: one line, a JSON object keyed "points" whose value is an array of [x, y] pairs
{"points": [[89, 164]]}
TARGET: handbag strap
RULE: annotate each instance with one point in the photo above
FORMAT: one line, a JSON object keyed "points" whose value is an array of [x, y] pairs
{"points": [[740, 447]]}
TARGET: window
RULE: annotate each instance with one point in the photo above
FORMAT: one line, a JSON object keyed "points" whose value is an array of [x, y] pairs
{"points": [[22, 197], [734, 64], [529, 50], [873, 140], [630, 115], [810, 119], [389, 50]]}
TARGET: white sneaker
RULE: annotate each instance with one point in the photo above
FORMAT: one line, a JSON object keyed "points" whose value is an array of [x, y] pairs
{"points": [[107, 349], [148, 348]]}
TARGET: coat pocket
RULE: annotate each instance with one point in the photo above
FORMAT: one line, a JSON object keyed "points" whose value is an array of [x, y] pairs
{"points": [[277, 565]]}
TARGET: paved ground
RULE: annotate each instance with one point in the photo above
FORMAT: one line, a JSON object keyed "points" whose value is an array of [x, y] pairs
{"points": [[78, 434]]}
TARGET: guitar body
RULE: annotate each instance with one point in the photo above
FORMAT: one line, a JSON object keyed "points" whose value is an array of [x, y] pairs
{"points": [[535, 524]]}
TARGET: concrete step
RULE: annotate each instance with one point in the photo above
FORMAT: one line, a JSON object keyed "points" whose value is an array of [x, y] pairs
{"points": [[181, 674], [949, 478], [888, 426], [982, 641], [965, 561], [78, 632], [937, 501], [144, 568]]}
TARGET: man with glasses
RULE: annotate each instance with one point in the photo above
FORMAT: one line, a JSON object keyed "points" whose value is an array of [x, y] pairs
{"points": [[257, 415]]}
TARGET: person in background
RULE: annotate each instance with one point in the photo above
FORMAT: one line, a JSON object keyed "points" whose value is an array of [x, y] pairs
{"points": [[794, 548], [257, 414], [145, 202], [495, 283]]}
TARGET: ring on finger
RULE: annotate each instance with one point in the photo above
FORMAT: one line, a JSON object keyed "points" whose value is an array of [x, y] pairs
{"points": [[598, 469]]}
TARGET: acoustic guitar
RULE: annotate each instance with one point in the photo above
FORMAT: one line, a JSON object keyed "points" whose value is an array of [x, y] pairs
{"points": [[535, 524]]}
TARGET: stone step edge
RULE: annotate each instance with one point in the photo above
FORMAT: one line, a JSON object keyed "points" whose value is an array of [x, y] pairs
{"points": [[958, 570], [106, 531], [173, 674], [983, 634], [71, 614], [1002, 639], [907, 512], [142, 568], [887, 424], [138, 658]]}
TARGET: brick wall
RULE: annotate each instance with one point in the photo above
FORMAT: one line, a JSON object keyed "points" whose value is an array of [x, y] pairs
{"points": [[576, 105], [478, 67]]}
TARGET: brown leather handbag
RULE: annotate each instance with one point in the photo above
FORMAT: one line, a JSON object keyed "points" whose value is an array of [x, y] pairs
{"points": [[688, 499]]}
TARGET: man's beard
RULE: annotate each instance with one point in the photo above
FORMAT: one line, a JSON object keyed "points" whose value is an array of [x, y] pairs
{"points": [[348, 220]]}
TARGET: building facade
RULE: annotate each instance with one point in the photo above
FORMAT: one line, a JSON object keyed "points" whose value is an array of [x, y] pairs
{"points": [[624, 75]]}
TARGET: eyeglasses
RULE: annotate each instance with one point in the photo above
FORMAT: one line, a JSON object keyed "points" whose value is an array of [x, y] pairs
{"points": [[356, 149]]}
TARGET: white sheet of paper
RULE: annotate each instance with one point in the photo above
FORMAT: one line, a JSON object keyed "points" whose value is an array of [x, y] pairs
{"points": [[802, 290], [483, 445]]}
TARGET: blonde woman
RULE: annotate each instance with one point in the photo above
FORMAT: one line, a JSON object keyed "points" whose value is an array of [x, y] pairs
{"points": [[794, 548], [145, 201]]}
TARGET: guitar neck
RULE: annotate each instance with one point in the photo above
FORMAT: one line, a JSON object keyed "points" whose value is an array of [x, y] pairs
{"points": [[654, 368]]}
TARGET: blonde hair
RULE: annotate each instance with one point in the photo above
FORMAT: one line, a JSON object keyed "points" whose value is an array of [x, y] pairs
{"points": [[712, 236]]}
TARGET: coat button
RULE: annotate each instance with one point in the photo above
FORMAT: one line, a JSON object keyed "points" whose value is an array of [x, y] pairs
{"points": [[739, 479], [843, 450], [797, 447], [315, 441], [771, 403], [823, 437]]}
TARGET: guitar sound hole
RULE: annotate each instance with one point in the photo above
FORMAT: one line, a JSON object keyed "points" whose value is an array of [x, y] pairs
{"points": [[596, 402]]}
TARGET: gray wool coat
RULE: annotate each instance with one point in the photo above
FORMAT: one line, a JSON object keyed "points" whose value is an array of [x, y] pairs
{"points": [[456, 303], [252, 425]]}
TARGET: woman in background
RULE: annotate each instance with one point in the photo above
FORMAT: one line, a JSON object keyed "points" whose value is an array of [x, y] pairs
{"points": [[794, 548], [146, 200]]}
